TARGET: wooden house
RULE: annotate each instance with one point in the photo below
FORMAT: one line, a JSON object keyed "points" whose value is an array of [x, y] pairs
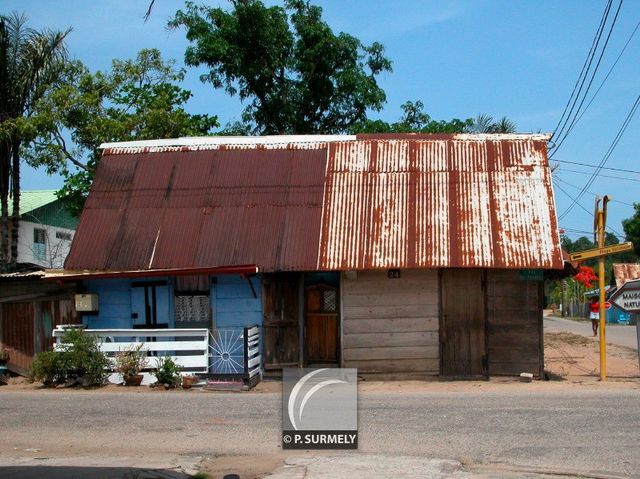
{"points": [[401, 255]]}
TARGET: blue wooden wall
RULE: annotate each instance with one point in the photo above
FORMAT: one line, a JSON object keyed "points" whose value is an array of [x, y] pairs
{"points": [[232, 302]]}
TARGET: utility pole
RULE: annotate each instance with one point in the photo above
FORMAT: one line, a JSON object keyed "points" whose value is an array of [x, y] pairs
{"points": [[600, 222], [601, 252]]}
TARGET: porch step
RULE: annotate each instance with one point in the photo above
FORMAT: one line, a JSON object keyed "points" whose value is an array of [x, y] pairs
{"points": [[212, 385]]}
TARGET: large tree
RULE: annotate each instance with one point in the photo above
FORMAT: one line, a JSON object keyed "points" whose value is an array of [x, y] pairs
{"points": [[30, 61], [294, 73], [631, 228], [137, 99]]}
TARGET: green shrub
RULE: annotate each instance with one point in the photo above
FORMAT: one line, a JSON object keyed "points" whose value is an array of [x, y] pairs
{"points": [[48, 368], [78, 360], [167, 372]]}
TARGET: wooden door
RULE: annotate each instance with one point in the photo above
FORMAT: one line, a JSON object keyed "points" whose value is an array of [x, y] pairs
{"points": [[462, 326], [281, 308], [321, 324]]}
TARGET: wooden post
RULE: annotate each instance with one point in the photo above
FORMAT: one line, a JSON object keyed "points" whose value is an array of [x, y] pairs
{"points": [[602, 221]]}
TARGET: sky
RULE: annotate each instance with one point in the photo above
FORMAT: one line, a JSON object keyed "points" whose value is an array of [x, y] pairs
{"points": [[460, 58]]}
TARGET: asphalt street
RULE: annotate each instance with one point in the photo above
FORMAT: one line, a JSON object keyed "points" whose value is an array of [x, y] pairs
{"points": [[594, 431], [619, 335]]}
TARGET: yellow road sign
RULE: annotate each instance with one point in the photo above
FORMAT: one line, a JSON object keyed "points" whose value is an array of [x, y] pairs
{"points": [[598, 252]]}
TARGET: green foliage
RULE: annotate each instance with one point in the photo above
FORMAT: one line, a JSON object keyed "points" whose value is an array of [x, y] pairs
{"points": [[486, 124], [415, 120], [631, 228], [584, 243], [167, 371], [79, 360], [137, 99], [48, 368], [131, 361], [294, 72]]}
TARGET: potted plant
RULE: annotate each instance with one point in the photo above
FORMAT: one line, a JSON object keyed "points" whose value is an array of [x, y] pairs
{"points": [[167, 372], [130, 363], [189, 380]]}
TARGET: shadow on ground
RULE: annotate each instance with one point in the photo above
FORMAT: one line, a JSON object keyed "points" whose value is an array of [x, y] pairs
{"points": [[68, 472]]}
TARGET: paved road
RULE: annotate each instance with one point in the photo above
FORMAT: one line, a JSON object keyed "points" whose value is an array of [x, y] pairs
{"points": [[616, 334], [585, 429]]}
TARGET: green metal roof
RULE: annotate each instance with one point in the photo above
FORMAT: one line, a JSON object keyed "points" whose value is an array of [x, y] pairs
{"points": [[34, 199], [43, 206]]}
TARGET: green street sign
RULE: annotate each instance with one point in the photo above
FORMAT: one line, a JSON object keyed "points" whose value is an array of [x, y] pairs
{"points": [[530, 275]]}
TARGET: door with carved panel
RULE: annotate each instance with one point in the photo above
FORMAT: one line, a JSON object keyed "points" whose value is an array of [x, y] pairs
{"points": [[322, 325]]}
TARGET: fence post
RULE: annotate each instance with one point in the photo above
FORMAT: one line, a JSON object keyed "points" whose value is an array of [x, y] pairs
{"points": [[245, 340]]}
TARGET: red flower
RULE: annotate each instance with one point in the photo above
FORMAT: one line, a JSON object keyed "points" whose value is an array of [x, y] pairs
{"points": [[586, 276]]}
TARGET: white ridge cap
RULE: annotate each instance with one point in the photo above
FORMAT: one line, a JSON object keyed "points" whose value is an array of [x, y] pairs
{"points": [[228, 140], [502, 136]]}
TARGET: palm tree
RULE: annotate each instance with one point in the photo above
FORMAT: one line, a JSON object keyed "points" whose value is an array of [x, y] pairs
{"points": [[486, 124], [30, 62]]}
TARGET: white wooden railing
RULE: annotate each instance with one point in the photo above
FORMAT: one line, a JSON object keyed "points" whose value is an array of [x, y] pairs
{"points": [[230, 352], [189, 348]]}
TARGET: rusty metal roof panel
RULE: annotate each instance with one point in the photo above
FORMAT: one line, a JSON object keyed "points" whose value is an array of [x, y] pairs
{"points": [[624, 272], [197, 208], [450, 201], [404, 201]]}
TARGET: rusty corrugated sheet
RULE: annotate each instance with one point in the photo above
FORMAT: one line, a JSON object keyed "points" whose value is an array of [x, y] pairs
{"points": [[446, 201], [202, 208], [624, 272], [411, 201]]}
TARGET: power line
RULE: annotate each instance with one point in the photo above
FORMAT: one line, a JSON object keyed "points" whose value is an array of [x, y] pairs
{"points": [[606, 156], [596, 166], [593, 74], [585, 66], [609, 72], [590, 213], [637, 180], [590, 192], [576, 232]]}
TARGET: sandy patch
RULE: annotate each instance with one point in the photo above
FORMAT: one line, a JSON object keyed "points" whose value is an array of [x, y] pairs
{"points": [[576, 358]]}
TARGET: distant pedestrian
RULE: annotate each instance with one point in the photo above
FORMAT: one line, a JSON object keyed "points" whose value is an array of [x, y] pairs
{"points": [[594, 307]]}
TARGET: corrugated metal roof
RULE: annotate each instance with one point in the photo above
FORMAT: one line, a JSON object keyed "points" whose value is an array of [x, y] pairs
{"points": [[624, 272], [448, 202], [411, 201], [33, 199], [203, 208]]}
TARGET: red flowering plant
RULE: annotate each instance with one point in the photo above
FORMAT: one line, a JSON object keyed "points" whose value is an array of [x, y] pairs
{"points": [[586, 276]]}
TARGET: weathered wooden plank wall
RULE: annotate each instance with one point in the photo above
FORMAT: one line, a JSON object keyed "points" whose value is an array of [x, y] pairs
{"points": [[390, 326], [514, 308], [27, 327]]}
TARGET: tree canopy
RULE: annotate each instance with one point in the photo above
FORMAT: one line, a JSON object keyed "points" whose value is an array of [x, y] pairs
{"points": [[295, 74], [631, 228], [137, 99], [582, 243], [415, 120]]}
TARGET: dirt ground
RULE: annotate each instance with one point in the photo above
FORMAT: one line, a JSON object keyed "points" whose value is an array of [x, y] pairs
{"points": [[577, 359], [570, 360]]}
